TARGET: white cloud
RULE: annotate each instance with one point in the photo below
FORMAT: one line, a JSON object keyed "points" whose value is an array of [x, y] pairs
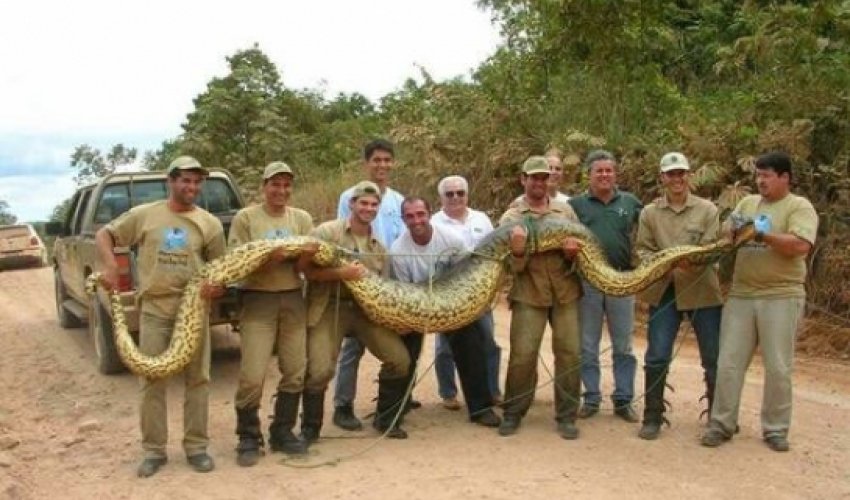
{"points": [[33, 198]]}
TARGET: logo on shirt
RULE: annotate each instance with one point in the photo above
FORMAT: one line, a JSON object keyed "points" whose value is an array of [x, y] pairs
{"points": [[278, 233], [175, 238]]}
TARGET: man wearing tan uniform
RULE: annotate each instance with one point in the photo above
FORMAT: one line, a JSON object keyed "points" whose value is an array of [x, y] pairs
{"points": [[274, 314], [545, 288], [765, 305], [175, 239], [333, 314], [678, 217]]}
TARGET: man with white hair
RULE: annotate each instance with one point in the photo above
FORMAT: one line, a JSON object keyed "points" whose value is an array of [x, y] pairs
{"points": [[472, 226]]}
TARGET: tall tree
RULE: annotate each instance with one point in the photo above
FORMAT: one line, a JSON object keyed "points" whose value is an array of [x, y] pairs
{"points": [[6, 216], [91, 164]]}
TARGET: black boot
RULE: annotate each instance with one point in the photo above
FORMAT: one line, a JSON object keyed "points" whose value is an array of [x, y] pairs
{"points": [[250, 436], [281, 437], [391, 396], [653, 411], [708, 396], [313, 405]]}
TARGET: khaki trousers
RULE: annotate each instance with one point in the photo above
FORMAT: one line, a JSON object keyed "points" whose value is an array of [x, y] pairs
{"points": [[154, 336], [269, 320], [771, 324], [324, 341], [527, 326]]}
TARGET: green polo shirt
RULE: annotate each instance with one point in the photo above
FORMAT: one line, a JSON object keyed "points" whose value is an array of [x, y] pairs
{"points": [[611, 223]]}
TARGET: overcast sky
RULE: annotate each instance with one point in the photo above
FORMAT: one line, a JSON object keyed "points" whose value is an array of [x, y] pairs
{"points": [[103, 72]]}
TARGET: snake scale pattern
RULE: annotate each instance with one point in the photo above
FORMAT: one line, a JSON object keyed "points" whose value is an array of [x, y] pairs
{"points": [[449, 303]]}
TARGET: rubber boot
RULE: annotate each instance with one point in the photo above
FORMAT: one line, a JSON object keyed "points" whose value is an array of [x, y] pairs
{"points": [[250, 444], [281, 437], [653, 411], [313, 405], [391, 395]]}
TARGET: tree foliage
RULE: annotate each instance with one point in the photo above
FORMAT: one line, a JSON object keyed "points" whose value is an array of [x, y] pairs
{"points": [[91, 164], [6, 215]]}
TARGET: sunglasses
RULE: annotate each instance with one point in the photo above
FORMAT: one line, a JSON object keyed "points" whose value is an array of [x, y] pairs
{"points": [[453, 194]]}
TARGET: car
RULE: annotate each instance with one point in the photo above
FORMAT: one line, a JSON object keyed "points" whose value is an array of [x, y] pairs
{"points": [[21, 247], [74, 253]]}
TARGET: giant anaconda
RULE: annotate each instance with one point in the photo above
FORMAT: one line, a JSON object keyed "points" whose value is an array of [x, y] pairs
{"points": [[447, 304]]}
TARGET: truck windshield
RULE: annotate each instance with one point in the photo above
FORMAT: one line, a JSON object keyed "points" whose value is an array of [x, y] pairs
{"points": [[216, 197]]}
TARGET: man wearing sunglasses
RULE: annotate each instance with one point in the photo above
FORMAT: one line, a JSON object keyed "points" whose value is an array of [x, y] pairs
{"points": [[472, 226], [676, 218]]}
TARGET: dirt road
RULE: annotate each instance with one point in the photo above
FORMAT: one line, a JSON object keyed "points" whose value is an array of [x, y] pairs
{"points": [[68, 432]]}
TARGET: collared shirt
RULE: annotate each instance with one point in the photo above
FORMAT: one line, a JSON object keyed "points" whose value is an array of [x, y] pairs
{"points": [[559, 196], [370, 252], [543, 279], [664, 226], [254, 223], [760, 272], [612, 223], [388, 225], [173, 246], [472, 229]]}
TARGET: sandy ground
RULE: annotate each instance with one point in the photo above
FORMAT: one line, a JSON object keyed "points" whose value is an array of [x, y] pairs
{"points": [[68, 432]]}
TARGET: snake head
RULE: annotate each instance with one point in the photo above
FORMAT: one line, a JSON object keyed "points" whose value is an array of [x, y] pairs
{"points": [[743, 229]]}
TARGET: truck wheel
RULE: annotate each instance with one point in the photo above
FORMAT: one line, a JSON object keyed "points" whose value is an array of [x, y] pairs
{"points": [[100, 329], [66, 319]]}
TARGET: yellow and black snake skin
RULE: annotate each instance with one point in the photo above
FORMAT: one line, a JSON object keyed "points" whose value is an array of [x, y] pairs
{"points": [[449, 303]]}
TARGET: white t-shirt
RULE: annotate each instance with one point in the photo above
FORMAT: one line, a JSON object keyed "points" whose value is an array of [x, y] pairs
{"points": [[476, 226], [415, 263]]}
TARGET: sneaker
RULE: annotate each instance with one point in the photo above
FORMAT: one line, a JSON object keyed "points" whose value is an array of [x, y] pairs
{"points": [[451, 404], [777, 442], [714, 437], [150, 466], [588, 410], [509, 425], [567, 429], [344, 419], [487, 418], [626, 412], [201, 462]]}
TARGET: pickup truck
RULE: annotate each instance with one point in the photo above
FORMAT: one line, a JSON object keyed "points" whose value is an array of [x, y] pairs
{"points": [[74, 253]]}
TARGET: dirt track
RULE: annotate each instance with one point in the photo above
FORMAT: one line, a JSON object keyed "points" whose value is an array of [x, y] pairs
{"points": [[68, 432]]}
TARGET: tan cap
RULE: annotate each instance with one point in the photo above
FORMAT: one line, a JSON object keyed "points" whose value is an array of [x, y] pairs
{"points": [[535, 165], [186, 163], [674, 161], [366, 188], [276, 167]]}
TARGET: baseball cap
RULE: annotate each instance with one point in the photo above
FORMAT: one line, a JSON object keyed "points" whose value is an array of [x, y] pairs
{"points": [[276, 167], [186, 163], [366, 188], [535, 165], [674, 161]]}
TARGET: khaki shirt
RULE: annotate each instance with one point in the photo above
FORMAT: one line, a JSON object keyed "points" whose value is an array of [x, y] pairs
{"points": [[759, 271], [373, 255], [543, 279], [662, 226], [254, 223], [173, 246]]}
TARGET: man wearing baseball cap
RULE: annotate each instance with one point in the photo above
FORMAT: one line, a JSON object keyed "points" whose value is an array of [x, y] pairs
{"points": [[175, 238], [678, 217], [274, 314], [545, 288]]}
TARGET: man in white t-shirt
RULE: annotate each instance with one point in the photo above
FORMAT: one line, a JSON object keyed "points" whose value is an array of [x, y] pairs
{"points": [[472, 226], [425, 252]]}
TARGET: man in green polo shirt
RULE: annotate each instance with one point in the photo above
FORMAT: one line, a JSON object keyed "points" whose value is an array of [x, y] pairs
{"points": [[611, 215], [678, 217], [765, 305]]}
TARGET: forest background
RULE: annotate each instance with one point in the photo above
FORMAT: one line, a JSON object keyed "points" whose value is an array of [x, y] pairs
{"points": [[719, 80]]}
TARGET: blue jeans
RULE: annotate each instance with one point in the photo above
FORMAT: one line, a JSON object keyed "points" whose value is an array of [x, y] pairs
{"points": [[345, 386], [619, 313], [664, 322], [444, 365]]}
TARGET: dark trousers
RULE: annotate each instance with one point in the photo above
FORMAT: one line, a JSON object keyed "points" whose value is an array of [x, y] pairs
{"points": [[469, 350]]}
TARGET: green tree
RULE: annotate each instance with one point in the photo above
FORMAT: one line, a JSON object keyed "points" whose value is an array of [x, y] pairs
{"points": [[91, 164], [6, 216]]}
